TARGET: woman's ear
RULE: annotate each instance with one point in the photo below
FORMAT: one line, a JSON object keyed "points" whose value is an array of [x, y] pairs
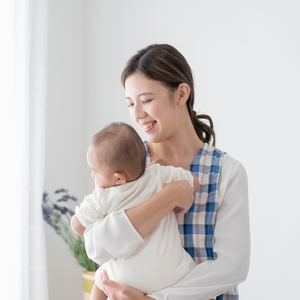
{"points": [[120, 178], [183, 92]]}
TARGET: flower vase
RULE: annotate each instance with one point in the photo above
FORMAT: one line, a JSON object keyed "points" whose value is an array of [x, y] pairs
{"points": [[88, 278]]}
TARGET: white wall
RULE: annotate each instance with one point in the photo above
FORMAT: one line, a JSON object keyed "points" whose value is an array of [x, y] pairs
{"points": [[245, 59]]}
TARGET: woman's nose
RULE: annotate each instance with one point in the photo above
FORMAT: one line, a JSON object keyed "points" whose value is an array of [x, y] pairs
{"points": [[138, 112]]}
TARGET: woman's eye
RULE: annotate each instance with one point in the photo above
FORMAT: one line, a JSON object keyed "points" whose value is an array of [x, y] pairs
{"points": [[130, 104], [146, 101]]}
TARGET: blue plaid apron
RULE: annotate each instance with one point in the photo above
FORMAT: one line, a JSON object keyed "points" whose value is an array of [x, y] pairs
{"points": [[197, 226]]}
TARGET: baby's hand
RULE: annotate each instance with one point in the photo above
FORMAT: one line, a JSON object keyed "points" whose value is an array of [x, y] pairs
{"points": [[158, 161]]}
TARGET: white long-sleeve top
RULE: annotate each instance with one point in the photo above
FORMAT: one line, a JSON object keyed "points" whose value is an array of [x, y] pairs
{"points": [[232, 241]]}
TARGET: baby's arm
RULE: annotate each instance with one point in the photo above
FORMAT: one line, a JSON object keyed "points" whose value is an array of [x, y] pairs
{"points": [[163, 163], [76, 226], [87, 212]]}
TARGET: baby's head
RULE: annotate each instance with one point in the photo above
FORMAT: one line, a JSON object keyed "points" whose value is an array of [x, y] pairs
{"points": [[116, 155]]}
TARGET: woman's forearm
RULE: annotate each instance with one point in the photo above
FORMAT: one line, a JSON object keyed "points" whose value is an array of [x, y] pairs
{"points": [[145, 216]]}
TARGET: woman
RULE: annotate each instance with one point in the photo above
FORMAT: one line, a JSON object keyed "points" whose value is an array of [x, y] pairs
{"points": [[214, 224]]}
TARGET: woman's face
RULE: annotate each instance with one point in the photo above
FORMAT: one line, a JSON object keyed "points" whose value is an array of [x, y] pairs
{"points": [[152, 106]]}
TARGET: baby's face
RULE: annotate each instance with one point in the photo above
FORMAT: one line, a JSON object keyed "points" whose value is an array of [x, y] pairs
{"points": [[102, 175]]}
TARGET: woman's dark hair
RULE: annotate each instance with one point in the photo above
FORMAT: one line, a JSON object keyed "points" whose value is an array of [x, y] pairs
{"points": [[119, 146], [164, 63]]}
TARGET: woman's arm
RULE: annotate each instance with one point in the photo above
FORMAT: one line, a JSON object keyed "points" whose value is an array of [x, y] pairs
{"points": [[129, 228], [232, 243], [145, 216]]}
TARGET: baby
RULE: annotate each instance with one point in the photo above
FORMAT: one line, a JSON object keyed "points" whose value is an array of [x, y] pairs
{"points": [[117, 158]]}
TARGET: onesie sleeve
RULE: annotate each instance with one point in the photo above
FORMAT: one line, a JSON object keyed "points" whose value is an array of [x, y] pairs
{"points": [[171, 173], [232, 243], [101, 246], [92, 208]]}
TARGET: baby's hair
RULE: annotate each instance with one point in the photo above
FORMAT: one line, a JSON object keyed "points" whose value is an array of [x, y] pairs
{"points": [[119, 146]]}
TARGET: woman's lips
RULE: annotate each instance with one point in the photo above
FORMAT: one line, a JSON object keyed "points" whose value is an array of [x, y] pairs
{"points": [[148, 126]]}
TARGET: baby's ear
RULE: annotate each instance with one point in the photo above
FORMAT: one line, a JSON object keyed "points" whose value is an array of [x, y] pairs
{"points": [[120, 178]]}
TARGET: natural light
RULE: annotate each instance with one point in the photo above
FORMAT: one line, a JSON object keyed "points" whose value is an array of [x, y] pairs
{"points": [[21, 149], [9, 169]]}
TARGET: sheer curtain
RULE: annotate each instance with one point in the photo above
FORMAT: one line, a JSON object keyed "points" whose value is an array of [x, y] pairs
{"points": [[23, 53]]}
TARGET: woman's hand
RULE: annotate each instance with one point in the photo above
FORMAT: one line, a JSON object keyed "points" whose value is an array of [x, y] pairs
{"points": [[182, 195], [118, 291]]}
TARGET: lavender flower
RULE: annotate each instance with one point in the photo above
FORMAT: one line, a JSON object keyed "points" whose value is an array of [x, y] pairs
{"points": [[67, 197], [62, 209], [45, 196], [58, 215], [47, 211], [61, 191]]}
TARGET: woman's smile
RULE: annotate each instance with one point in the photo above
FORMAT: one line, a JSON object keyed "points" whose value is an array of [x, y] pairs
{"points": [[148, 126]]}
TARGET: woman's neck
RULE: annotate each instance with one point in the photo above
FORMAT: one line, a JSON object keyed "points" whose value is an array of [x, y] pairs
{"points": [[178, 151]]}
